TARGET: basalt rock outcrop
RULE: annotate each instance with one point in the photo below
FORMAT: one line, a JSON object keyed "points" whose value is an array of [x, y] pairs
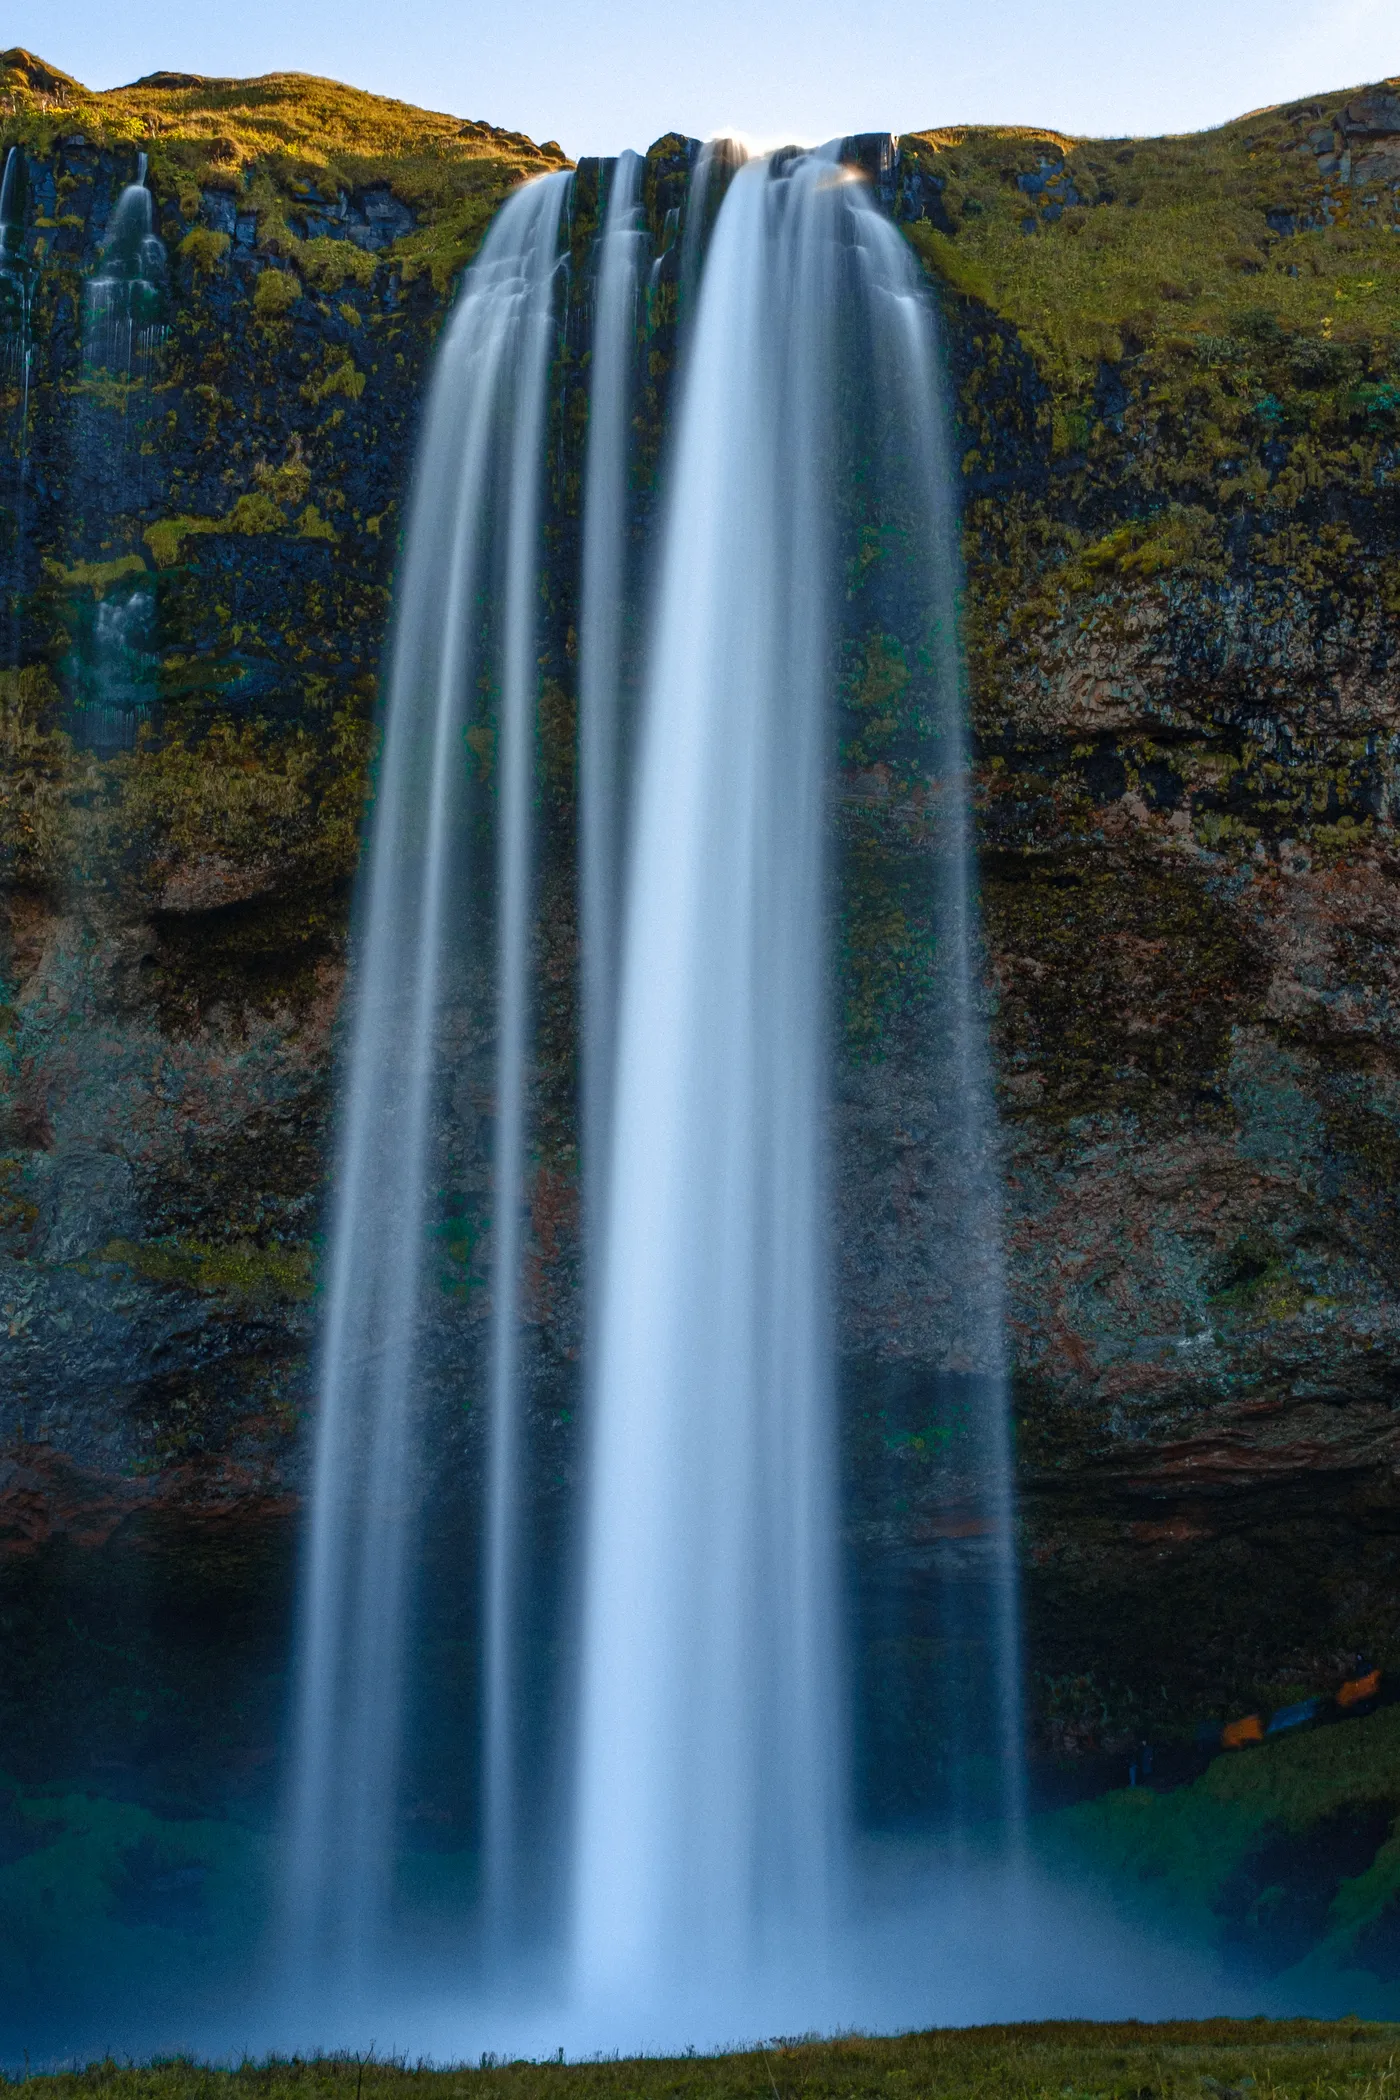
{"points": [[1176, 368]]}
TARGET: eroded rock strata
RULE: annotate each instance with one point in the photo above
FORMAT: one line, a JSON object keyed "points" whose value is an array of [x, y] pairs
{"points": [[1177, 377]]}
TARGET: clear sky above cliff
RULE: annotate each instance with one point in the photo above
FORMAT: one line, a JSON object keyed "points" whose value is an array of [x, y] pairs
{"points": [[601, 77]]}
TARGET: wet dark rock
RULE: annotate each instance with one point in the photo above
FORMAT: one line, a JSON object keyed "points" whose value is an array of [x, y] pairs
{"points": [[86, 1198]]}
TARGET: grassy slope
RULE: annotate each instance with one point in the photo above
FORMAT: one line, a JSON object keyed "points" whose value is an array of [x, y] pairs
{"points": [[1071, 2060], [1228, 336], [1177, 1853], [267, 139], [1171, 238]]}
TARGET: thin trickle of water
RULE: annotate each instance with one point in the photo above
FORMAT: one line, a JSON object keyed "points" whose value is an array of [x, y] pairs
{"points": [[603, 693], [15, 343], [16, 361], [473, 533], [124, 322], [111, 670]]}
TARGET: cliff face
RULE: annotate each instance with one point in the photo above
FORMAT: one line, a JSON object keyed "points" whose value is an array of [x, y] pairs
{"points": [[1177, 378]]}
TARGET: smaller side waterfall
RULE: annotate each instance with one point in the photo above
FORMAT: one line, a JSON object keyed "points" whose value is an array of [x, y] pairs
{"points": [[124, 311], [605, 644], [15, 344], [467, 609], [16, 360], [111, 668]]}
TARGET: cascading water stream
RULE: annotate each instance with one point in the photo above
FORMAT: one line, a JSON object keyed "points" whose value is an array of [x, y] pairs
{"points": [[111, 671], [708, 1797], [793, 711], [124, 310], [475, 515], [16, 359], [516, 747], [603, 639], [15, 341]]}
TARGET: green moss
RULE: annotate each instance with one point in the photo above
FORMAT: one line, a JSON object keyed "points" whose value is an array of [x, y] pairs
{"points": [[275, 293], [237, 792], [1175, 539], [312, 526], [96, 576], [42, 780], [203, 249], [259, 510], [242, 1271], [950, 264], [340, 376]]}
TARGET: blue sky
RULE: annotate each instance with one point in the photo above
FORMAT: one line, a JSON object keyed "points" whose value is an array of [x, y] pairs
{"points": [[600, 77]]}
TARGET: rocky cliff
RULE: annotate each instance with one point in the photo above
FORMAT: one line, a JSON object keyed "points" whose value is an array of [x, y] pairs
{"points": [[1177, 376]]}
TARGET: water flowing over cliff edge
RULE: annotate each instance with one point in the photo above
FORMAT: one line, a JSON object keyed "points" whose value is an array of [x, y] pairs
{"points": [[1175, 398]]}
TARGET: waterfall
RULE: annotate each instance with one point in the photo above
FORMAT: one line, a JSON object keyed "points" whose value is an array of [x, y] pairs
{"points": [[714, 171], [603, 646], [770, 733], [16, 358], [473, 537], [14, 281], [124, 309], [111, 669]]}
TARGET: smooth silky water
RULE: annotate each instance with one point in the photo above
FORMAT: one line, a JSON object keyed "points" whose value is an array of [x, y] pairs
{"points": [[110, 672], [683, 1862], [16, 363]]}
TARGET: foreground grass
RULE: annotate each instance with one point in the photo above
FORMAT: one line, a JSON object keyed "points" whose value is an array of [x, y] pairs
{"points": [[1053, 2060]]}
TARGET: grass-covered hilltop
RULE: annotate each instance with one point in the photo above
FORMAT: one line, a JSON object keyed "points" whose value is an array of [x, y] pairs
{"points": [[1174, 369], [274, 143]]}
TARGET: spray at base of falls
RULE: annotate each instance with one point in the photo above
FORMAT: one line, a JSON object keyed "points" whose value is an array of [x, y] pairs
{"points": [[689, 1839]]}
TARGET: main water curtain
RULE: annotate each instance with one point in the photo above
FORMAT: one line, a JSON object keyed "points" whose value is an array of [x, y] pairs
{"points": [[770, 764], [804, 511], [467, 603]]}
